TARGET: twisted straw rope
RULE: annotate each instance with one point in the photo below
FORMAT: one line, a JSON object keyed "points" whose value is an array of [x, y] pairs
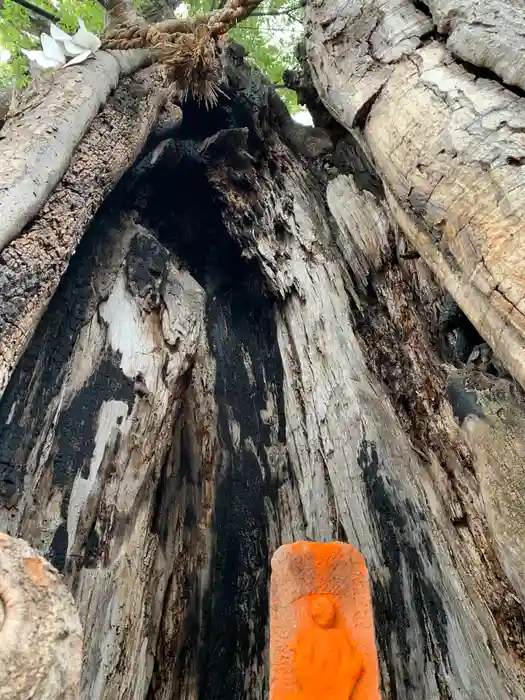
{"points": [[132, 32], [186, 47]]}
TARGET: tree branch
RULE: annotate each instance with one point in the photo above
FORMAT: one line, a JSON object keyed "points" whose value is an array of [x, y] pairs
{"points": [[37, 10], [126, 32]]}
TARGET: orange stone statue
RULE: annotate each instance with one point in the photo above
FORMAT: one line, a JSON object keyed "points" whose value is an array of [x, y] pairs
{"points": [[322, 644]]}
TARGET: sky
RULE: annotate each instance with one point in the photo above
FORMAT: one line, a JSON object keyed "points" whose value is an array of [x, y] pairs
{"points": [[303, 117]]}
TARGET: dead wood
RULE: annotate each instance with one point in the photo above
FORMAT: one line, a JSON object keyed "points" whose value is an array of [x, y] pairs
{"points": [[255, 343]]}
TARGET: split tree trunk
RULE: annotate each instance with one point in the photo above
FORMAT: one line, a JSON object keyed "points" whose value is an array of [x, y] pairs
{"points": [[251, 346]]}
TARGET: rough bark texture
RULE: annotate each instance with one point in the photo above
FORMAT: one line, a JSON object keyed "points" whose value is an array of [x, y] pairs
{"points": [[447, 139], [48, 133], [35, 257], [40, 632], [255, 342]]}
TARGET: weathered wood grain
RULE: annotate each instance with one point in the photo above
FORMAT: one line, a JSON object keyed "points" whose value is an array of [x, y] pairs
{"points": [[47, 134], [358, 474], [101, 441], [156, 453], [32, 265], [265, 350], [486, 34], [447, 143]]}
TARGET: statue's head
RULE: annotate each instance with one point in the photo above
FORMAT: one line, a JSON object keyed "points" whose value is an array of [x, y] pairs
{"points": [[323, 611]]}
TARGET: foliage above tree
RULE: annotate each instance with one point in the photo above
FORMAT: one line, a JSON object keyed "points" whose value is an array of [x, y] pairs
{"points": [[270, 34]]}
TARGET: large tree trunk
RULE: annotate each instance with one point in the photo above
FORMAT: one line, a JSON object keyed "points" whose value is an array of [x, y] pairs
{"points": [[254, 343]]}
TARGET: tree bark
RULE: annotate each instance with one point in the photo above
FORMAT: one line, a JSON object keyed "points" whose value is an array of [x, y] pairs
{"points": [[34, 262], [256, 342], [40, 631]]}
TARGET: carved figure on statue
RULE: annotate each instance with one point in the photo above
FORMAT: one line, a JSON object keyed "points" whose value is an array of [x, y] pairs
{"points": [[327, 662]]}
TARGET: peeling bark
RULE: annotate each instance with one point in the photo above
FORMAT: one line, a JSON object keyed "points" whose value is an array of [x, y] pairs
{"points": [[258, 341]]}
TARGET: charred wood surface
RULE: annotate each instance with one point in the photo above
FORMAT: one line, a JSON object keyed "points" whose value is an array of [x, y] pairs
{"points": [[247, 348]]}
